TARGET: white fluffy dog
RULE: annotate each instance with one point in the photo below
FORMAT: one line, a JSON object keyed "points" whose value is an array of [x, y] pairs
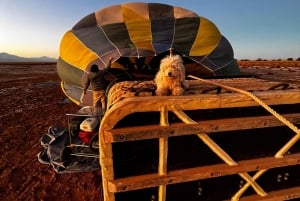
{"points": [[170, 79]]}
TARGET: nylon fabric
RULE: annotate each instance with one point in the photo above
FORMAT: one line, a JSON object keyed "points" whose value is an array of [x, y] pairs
{"points": [[110, 15], [183, 42], [74, 52], [68, 73], [162, 26], [119, 36], [222, 54], [160, 11], [139, 29], [88, 21], [95, 39], [181, 13], [207, 38], [140, 9]]}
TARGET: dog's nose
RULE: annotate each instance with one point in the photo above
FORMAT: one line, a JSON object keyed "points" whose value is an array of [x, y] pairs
{"points": [[169, 73]]}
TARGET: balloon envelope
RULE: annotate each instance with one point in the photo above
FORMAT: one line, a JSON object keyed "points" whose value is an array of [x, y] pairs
{"points": [[143, 30]]}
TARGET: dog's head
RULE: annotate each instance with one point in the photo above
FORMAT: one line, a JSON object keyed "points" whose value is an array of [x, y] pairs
{"points": [[172, 67]]}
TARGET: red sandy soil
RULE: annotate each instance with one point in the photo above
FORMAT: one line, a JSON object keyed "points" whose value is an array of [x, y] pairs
{"points": [[31, 101]]}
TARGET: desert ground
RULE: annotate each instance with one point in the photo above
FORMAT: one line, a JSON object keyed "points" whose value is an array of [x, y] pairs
{"points": [[31, 101]]}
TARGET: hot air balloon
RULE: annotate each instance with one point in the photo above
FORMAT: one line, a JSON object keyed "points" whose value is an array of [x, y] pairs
{"points": [[137, 36]]}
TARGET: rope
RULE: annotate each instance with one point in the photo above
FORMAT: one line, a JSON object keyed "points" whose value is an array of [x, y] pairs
{"points": [[218, 150], [286, 122], [256, 99]]}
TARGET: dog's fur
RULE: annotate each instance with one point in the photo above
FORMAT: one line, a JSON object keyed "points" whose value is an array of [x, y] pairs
{"points": [[170, 79]]}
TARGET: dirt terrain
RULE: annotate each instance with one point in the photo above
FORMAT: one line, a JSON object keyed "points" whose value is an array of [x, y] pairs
{"points": [[31, 101]]}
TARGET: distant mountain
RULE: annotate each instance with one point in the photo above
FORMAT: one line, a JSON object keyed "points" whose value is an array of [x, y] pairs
{"points": [[5, 57]]}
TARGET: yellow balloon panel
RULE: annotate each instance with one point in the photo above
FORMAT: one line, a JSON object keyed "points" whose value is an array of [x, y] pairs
{"points": [[208, 38], [74, 52], [139, 28]]}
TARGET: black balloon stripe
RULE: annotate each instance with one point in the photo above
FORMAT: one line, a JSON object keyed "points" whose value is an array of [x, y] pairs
{"points": [[182, 41]]}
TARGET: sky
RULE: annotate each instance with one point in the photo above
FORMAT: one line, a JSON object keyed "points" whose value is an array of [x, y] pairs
{"points": [[267, 29]]}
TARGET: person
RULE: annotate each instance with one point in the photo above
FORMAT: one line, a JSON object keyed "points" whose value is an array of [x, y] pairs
{"points": [[97, 82]]}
